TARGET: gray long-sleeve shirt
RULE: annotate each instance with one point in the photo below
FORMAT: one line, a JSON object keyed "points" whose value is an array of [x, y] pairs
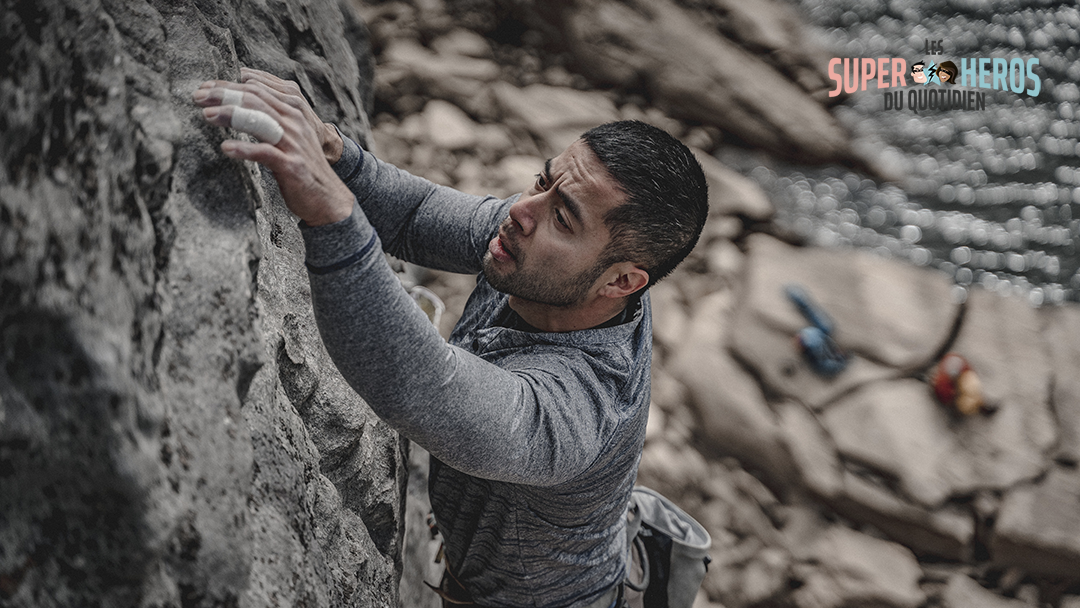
{"points": [[534, 437]]}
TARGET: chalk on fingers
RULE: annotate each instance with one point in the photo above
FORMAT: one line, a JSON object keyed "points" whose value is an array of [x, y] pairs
{"points": [[232, 97], [258, 124]]}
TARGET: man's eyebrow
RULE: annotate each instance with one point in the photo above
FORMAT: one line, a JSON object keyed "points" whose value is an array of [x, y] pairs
{"points": [[571, 204]]}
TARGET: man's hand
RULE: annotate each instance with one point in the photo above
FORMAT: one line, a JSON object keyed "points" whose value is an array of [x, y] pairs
{"points": [[270, 108]]}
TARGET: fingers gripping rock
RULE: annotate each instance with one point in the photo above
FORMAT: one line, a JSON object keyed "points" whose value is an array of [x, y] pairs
{"points": [[253, 122], [256, 123]]}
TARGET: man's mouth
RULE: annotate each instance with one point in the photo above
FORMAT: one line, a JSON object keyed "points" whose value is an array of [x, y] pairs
{"points": [[500, 250]]}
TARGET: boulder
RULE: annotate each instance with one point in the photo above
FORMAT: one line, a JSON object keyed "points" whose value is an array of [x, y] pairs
{"points": [[555, 116], [171, 432], [777, 33], [420, 546], [817, 462], [1063, 322], [409, 69], [449, 127], [730, 193], [669, 315], [733, 416], [847, 568], [1038, 527], [463, 43], [890, 316], [671, 470], [941, 532], [646, 45], [899, 430], [516, 173], [1001, 338], [962, 591], [946, 532]]}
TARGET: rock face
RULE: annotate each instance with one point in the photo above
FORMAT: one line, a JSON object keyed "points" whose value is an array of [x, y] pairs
{"points": [[171, 431]]}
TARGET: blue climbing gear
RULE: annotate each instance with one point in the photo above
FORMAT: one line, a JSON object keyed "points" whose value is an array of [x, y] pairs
{"points": [[816, 343]]}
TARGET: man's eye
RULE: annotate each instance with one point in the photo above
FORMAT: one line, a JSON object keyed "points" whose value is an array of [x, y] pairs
{"points": [[561, 219], [541, 183]]}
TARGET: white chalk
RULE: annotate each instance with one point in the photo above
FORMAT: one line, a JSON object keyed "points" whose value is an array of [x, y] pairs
{"points": [[259, 124], [232, 97]]}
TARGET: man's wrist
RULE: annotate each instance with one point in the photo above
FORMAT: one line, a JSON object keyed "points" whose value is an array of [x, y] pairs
{"points": [[332, 144], [328, 216]]}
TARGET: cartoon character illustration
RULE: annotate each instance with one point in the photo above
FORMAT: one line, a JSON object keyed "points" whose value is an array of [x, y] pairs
{"points": [[947, 72], [917, 73]]}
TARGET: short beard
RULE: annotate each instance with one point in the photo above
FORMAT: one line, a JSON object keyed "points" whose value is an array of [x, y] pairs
{"points": [[565, 294]]}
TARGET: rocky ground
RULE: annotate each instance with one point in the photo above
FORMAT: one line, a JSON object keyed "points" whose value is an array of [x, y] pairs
{"points": [[860, 490]]}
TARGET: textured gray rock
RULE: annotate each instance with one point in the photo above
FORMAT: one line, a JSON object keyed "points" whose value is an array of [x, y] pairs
{"points": [[900, 431], [963, 592], [171, 431], [1038, 528], [555, 116], [1001, 338], [1062, 323], [846, 568], [733, 416]]}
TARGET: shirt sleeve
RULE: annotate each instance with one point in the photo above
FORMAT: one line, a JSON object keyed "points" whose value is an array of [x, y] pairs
{"points": [[532, 421], [419, 221]]}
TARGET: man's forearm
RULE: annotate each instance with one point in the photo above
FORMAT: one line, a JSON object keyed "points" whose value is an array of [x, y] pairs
{"points": [[419, 221]]}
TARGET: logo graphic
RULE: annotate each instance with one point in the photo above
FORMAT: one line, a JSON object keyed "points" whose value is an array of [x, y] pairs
{"points": [[918, 73], [947, 72], [976, 74], [931, 74]]}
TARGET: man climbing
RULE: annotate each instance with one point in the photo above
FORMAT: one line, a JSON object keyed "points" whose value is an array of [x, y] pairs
{"points": [[534, 412]]}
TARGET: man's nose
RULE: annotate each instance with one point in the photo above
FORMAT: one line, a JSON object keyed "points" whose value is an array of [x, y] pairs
{"points": [[523, 212]]}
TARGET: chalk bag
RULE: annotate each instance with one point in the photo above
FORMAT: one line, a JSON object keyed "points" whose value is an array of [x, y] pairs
{"points": [[669, 552]]}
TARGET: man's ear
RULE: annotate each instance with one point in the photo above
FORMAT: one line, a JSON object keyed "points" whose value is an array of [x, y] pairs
{"points": [[624, 279]]}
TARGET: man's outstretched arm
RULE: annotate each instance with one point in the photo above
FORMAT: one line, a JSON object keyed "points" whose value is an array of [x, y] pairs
{"points": [[528, 426]]}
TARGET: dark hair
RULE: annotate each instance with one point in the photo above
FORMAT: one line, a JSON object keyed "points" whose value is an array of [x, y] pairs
{"points": [[666, 196], [949, 67], [917, 63]]}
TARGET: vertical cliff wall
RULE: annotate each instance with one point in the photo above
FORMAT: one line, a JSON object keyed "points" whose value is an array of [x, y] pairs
{"points": [[171, 431]]}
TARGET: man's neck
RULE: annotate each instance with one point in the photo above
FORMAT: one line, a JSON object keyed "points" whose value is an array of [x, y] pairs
{"points": [[567, 318]]}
